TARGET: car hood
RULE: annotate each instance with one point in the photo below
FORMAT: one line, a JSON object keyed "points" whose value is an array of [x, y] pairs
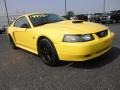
{"points": [[79, 27]]}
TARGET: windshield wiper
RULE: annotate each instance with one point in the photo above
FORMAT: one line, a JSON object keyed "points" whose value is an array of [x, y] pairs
{"points": [[39, 24], [55, 21]]}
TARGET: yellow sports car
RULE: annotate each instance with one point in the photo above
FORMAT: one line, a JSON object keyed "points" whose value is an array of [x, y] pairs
{"points": [[55, 39]]}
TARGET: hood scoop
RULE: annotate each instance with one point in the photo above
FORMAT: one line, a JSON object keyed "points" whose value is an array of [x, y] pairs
{"points": [[77, 21]]}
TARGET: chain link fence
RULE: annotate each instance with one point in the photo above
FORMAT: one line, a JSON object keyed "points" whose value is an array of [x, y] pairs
{"points": [[4, 21]]}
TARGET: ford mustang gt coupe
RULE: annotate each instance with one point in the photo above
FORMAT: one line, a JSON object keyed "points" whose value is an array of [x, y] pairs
{"points": [[56, 39]]}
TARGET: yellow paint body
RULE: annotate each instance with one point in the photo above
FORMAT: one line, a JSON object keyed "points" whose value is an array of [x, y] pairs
{"points": [[55, 32]]}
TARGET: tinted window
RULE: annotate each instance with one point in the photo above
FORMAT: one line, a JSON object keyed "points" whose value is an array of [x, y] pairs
{"points": [[40, 19], [118, 13], [21, 21]]}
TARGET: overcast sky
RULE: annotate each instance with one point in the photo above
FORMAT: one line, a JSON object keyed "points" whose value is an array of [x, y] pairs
{"points": [[57, 6]]}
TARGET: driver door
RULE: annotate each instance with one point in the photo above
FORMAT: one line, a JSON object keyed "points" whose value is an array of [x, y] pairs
{"points": [[23, 33]]}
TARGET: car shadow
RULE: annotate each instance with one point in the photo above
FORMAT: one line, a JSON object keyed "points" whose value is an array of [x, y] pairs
{"points": [[90, 64], [99, 61]]}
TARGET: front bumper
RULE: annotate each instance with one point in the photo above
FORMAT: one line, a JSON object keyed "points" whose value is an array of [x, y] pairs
{"points": [[82, 51], [105, 20]]}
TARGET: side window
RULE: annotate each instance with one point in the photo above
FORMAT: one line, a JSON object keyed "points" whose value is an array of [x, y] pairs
{"points": [[22, 22], [118, 13]]}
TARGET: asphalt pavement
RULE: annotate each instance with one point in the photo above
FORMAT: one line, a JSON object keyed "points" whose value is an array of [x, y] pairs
{"points": [[21, 70]]}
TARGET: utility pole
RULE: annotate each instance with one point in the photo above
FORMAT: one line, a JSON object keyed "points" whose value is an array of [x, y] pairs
{"points": [[6, 11], [104, 6], [65, 6]]}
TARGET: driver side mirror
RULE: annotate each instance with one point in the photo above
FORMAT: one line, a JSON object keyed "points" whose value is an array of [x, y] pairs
{"points": [[25, 26]]}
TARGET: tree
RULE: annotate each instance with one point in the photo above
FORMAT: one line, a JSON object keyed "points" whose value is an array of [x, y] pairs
{"points": [[70, 14]]}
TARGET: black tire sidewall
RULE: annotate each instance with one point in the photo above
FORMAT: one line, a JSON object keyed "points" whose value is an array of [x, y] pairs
{"points": [[54, 57]]}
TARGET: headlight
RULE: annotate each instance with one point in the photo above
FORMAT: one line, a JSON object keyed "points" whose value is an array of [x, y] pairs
{"points": [[109, 17], [100, 17], [78, 38]]}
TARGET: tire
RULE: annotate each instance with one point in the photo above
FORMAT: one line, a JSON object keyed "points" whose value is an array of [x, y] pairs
{"points": [[117, 21], [113, 21], [48, 53], [0, 32], [103, 22], [12, 43]]}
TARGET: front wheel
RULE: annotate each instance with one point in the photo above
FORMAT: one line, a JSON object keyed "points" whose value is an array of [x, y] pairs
{"points": [[48, 53], [113, 21], [0, 32]]}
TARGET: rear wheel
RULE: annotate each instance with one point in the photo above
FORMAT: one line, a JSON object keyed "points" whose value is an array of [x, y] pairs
{"points": [[117, 21], [113, 21], [12, 43], [48, 53], [0, 32]]}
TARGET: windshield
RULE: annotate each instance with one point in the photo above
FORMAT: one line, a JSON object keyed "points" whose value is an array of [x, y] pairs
{"points": [[41, 19], [111, 13], [98, 14]]}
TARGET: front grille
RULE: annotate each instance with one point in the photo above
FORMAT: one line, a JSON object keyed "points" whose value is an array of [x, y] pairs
{"points": [[104, 18], [102, 33]]}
